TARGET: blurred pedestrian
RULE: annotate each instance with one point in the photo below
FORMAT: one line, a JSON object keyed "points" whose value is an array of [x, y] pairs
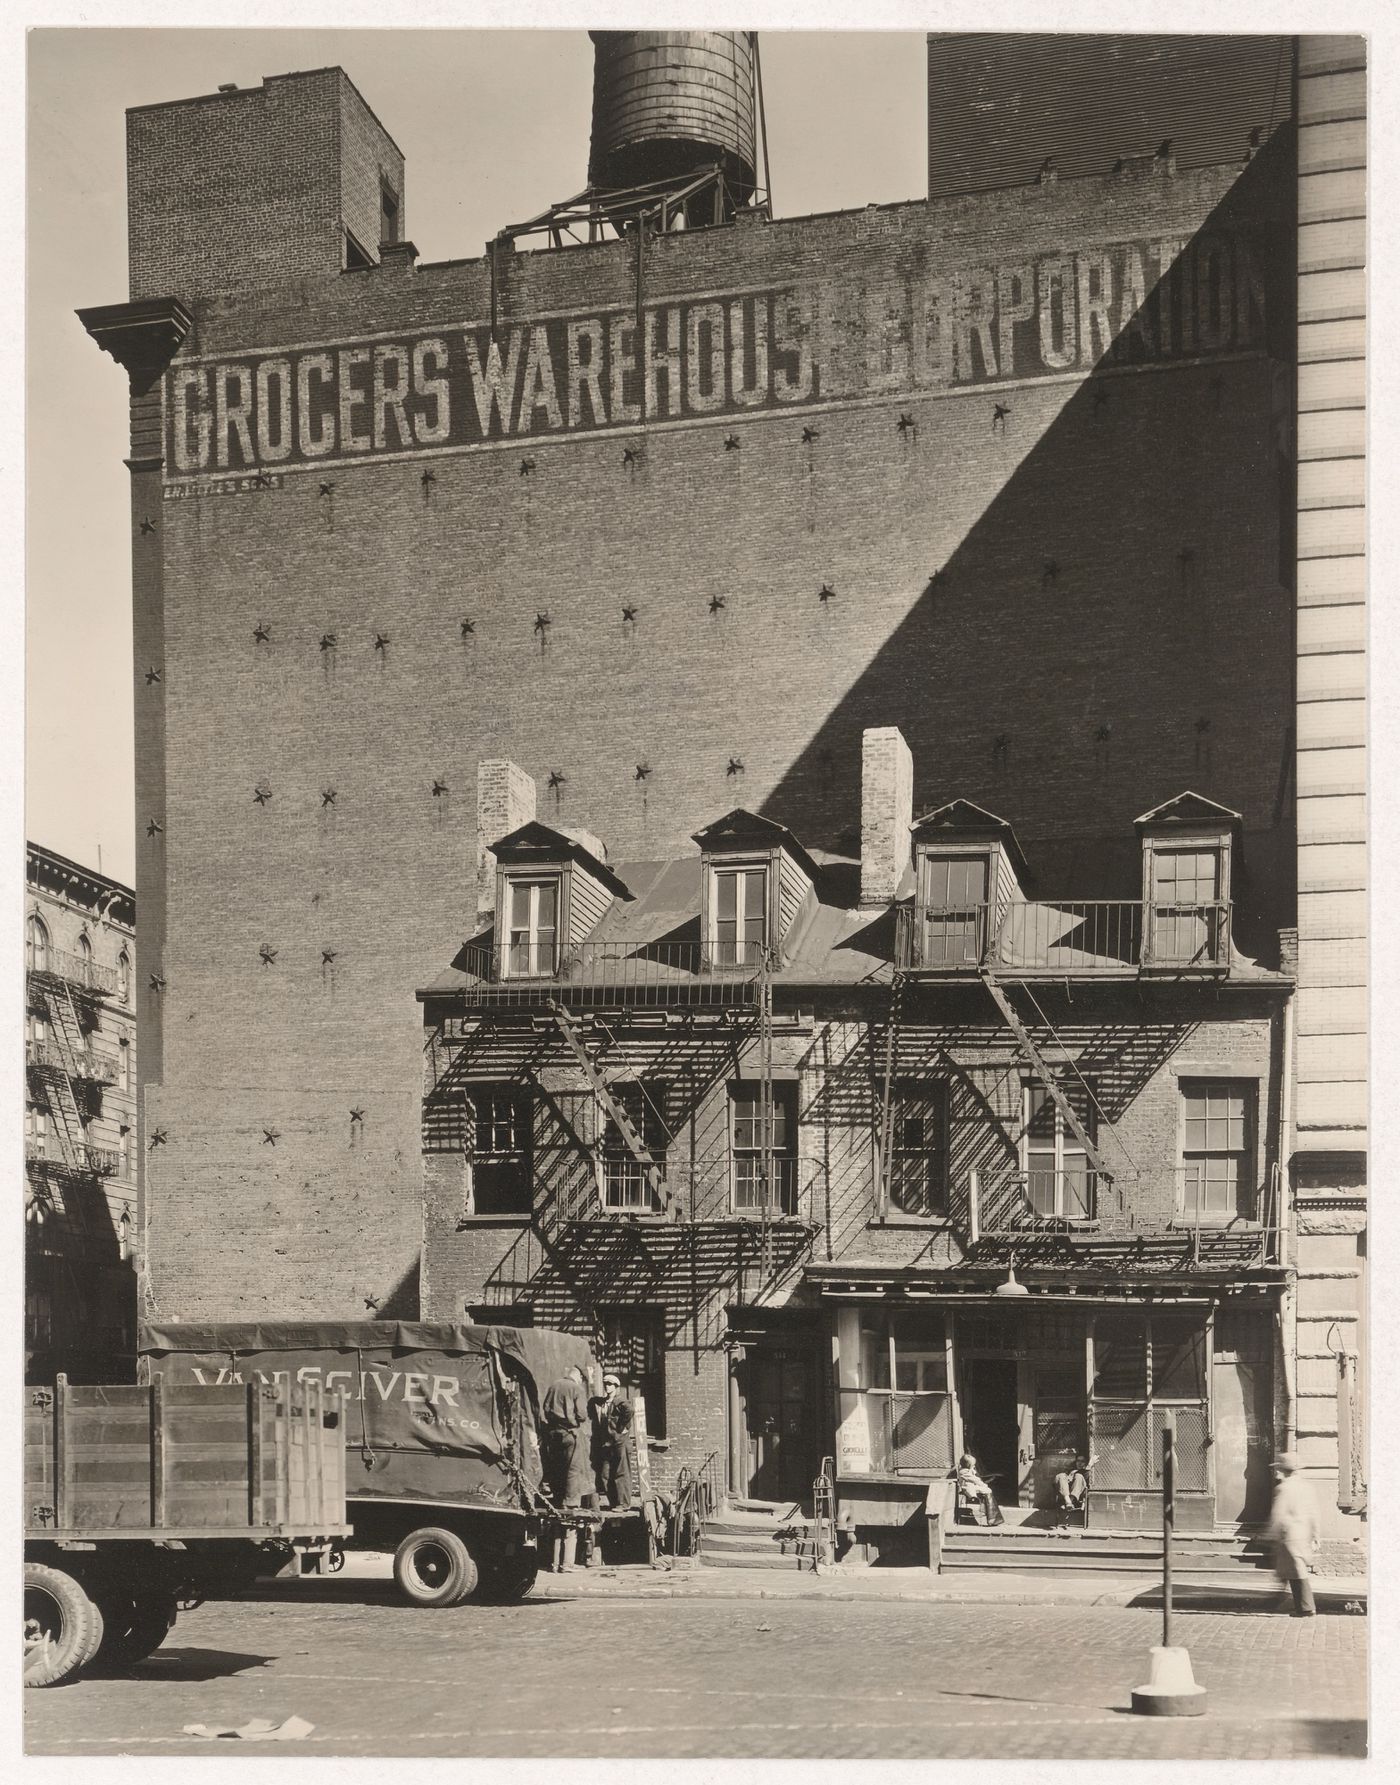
{"points": [[1293, 1529]]}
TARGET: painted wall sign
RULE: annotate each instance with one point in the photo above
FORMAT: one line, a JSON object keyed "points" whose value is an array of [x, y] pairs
{"points": [[456, 388]]}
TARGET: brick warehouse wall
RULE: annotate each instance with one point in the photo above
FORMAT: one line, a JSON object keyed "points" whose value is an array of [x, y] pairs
{"points": [[1076, 537]]}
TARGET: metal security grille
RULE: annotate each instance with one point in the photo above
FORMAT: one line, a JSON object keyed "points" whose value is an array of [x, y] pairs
{"points": [[1192, 1464], [1119, 1444]]}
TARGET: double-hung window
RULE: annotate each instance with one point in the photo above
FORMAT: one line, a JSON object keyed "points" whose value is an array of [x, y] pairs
{"points": [[533, 923], [1059, 1183], [1217, 1149], [739, 924], [625, 1187], [953, 901], [918, 1175], [1186, 911], [746, 1135], [498, 1118]]}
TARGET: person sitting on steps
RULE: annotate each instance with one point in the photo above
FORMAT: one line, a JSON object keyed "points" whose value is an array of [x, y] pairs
{"points": [[1072, 1489], [974, 1492]]}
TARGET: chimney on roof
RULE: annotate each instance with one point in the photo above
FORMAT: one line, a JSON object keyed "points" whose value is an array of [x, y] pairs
{"points": [[505, 799], [886, 812]]}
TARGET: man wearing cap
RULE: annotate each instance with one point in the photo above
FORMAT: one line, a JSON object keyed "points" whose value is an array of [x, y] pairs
{"points": [[612, 1424], [1293, 1529]]}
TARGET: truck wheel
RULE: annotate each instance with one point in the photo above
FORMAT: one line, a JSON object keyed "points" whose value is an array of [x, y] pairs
{"points": [[133, 1629], [505, 1582], [62, 1626], [434, 1567]]}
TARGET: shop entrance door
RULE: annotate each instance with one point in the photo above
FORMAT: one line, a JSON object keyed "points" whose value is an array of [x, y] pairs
{"points": [[1057, 1430], [779, 1401], [991, 1421]]}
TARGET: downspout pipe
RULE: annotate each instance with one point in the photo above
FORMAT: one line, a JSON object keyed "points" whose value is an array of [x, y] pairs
{"points": [[1288, 1302]]}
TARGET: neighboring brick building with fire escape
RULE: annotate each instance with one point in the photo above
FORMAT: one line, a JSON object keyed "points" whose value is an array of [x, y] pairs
{"points": [[79, 1121]]}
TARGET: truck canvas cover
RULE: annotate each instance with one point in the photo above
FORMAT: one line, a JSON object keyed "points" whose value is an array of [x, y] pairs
{"points": [[434, 1412]]}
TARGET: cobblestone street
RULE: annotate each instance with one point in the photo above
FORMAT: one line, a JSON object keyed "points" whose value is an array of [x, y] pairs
{"points": [[735, 1678]]}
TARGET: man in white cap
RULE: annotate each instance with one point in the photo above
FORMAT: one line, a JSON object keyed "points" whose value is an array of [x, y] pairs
{"points": [[1293, 1530]]}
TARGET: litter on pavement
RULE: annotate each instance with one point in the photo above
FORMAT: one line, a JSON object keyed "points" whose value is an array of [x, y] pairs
{"points": [[260, 1729]]}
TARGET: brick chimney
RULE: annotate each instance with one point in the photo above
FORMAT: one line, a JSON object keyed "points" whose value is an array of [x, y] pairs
{"points": [[886, 812], [505, 799]]}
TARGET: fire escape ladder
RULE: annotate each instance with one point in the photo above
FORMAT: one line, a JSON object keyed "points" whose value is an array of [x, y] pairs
{"points": [[765, 1115], [61, 1086], [886, 1155], [1046, 1076], [638, 1148]]}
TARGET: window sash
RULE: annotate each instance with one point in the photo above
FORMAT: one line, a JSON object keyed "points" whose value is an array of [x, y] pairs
{"points": [[1217, 1143], [625, 1187], [1059, 1185], [533, 932], [746, 1148], [740, 914], [918, 1174]]}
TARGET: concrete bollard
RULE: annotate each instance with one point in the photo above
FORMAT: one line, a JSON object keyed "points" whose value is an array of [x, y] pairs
{"points": [[1171, 1689]]}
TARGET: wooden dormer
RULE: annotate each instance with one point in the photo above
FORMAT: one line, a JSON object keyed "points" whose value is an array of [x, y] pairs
{"points": [[551, 893], [757, 888], [968, 867], [1190, 846]]}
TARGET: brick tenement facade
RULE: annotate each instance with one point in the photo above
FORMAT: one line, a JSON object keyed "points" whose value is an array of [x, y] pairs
{"points": [[81, 1210], [731, 1299]]}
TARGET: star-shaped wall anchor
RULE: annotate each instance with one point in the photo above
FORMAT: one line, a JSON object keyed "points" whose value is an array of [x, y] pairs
{"points": [[716, 604], [328, 956], [735, 766], [642, 771], [1103, 734], [468, 628], [630, 455], [937, 580], [826, 593], [527, 466], [263, 481], [158, 1138], [147, 524], [327, 641], [556, 780], [999, 743], [326, 489], [907, 425], [428, 479], [327, 796], [267, 954], [439, 788], [1202, 725], [262, 632], [152, 675], [629, 614], [262, 794], [381, 641], [1050, 572], [1000, 411], [372, 1303], [810, 434], [154, 828], [357, 1115], [731, 443], [1186, 557], [157, 982], [542, 622], [1100, 398], [271, 1136]]}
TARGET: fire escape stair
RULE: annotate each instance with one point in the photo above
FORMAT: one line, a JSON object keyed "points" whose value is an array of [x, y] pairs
{"points": [[573, 1037]]}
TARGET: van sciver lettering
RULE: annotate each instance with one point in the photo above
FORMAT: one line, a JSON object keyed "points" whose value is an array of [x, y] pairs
{"points": [[456, 388], [356, 1385]]}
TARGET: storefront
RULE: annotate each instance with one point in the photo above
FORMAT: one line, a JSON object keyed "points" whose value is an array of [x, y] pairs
{"points": [[1028, 1385]]}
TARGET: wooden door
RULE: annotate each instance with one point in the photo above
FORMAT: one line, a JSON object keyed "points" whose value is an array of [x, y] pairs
{"points": [[1057, 1430], [780, 1401]]}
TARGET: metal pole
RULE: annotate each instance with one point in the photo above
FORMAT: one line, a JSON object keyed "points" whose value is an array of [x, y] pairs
{"points": [[762, 124], [1168, 1518]]}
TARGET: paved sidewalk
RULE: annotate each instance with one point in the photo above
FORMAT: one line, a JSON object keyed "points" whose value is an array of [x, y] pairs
{"points": [[1255, 1592]]}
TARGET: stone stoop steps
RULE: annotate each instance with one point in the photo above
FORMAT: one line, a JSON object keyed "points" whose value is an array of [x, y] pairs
{"points": [[1196, 1556], [758, 1534]]}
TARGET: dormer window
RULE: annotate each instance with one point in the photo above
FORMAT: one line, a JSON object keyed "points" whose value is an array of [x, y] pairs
{"points": [[739, 904], [532, 950], [1187, 845], [969, 868]]}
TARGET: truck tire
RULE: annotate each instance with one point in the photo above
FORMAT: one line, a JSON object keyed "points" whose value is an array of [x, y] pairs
{"points": [[62, 1626], [509, 1579], [133, 1629], [434, 1567]]}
